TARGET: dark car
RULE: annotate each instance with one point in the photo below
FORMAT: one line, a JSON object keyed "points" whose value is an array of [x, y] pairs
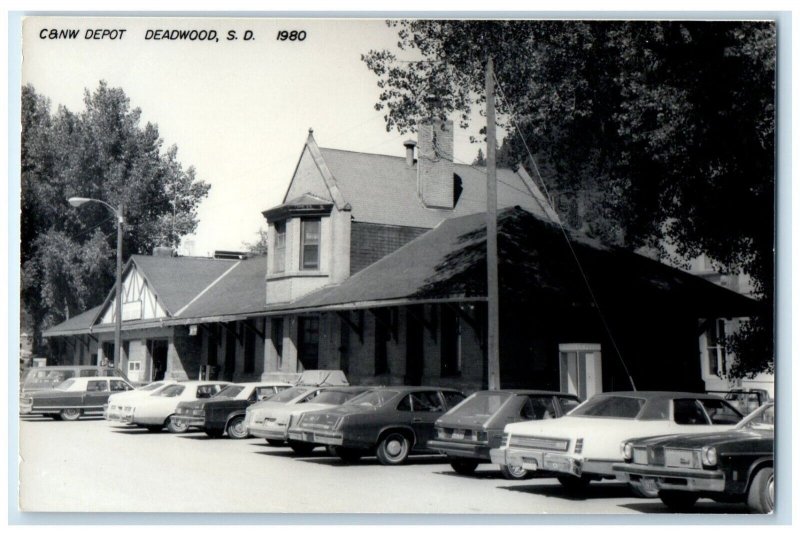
{"points": [[470, 430], [392, 422], [225, 411], [732, 466], [74, 397]]}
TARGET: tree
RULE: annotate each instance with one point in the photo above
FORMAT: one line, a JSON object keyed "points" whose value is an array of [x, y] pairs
{"points": [[260, 246], [666, 128], [68, 255]]}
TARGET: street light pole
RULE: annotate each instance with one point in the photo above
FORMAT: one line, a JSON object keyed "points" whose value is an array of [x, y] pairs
{"points": [[118, 215]]}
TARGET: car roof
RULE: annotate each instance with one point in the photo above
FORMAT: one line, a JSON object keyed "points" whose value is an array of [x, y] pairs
{"points": [[264, 384], [527, 392], [654, 395], [347, 388], [203, 382], [411, 388]]}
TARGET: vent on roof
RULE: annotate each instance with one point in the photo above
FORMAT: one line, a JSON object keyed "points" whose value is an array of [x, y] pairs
{"points": [[230, 255], [409, 145]]}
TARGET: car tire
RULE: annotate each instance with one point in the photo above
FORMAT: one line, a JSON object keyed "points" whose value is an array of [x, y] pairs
{"points": [[678, 501], [639, 491], [303, 449], [214, 433], [464, 467], [71, 414], [575, 484], [347, 455], [275, 442], [761, 495], [514, 472], [236, 428], [175, 427], [393, 449]]}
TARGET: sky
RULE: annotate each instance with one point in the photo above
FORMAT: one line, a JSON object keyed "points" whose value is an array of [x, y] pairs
{"points": [[239, 111]]}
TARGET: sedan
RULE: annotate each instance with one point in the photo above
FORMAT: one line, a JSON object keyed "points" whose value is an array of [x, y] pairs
{"points": [[226, 411], [392, 422], [468, 432], [74, 397], [733, 466], [583, 445], [157, 411], [118, 402]]}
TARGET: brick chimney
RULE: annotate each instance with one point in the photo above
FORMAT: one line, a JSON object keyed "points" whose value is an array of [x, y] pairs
{"points": [[409, 145], [435, 164]]}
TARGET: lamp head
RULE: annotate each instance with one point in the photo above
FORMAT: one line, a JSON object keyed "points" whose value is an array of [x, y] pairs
{"points": [[78, 201]]}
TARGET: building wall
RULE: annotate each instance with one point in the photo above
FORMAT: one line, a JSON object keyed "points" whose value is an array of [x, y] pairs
{"points": [[370, 242]]}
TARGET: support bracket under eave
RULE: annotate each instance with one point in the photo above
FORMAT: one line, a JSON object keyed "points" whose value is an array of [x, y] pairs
{"points": [[357, 327]]}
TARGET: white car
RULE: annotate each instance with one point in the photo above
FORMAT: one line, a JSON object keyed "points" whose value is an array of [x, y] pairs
{"points": [[118, 402], [272, 422], [259, 414], [157, 411], [584, 444]]}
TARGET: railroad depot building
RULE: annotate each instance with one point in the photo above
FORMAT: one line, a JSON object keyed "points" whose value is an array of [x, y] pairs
{"points": [[377, 267]]}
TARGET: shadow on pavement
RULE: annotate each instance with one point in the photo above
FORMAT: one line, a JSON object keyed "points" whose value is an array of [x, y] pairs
{"points": [[492, 475], [704, 507], [594, 491], [372, 460]]}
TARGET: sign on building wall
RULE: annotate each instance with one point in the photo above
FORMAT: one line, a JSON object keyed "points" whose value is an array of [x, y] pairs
{"points": [[132, 310]]}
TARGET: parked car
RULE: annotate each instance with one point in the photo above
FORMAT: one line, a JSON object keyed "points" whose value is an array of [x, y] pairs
{"points": [[583, 446], [392, 422], [733, 466], [226, 411], [36, 379], [158, 410], [256, 415], [277, 418], [117, 403], [74, 397], [470, 430], [745, 400]]}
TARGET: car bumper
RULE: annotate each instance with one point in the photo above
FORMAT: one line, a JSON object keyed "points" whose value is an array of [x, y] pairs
{"points": [[268, 431], [668, 478], [25, 409], [190, 421], [317, 437], [478, 451], [555, 462]]}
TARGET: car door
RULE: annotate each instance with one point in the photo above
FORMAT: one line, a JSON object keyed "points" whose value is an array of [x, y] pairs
{"points": [[426, 407], [97, 393]]}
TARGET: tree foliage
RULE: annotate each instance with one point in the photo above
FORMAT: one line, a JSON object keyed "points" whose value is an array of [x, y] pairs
{"points": [[663, 128], [103, 152]]}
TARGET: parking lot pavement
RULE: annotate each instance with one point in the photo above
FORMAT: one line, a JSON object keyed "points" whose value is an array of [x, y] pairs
{"points": [[90, 465]]}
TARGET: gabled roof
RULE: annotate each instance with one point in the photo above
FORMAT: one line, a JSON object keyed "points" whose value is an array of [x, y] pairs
{"points": [[240, 292], [383, 189], [536, 265], [77, 324]]}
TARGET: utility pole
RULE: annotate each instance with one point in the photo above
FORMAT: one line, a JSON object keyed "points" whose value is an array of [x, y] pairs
{"points": [[493, 332]]}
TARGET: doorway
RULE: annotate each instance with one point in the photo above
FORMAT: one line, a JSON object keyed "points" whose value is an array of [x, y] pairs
{"points": [[157, 350], [580, 369], [414, 346], [230, 353]]}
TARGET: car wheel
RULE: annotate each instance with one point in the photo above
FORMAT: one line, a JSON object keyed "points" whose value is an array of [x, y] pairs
{"points": [[303, 449], [575, 484], [71, 414], [275, 442], [393, 449], [677, 501], [641, 492], [236, 428], [347, 455], [464, 467], [514, 472], [761, 495], [175, 426], [214, 433]]}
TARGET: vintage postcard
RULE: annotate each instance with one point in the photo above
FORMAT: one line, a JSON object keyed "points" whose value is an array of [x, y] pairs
{"points": [[407, 266]]}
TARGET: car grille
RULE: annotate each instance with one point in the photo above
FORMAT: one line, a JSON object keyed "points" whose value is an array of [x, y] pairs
{"points": [[682, 458], [544, 443]]}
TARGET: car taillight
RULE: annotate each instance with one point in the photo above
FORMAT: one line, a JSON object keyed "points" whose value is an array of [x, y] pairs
{"points": [[505, 439], [198, 411], [579, 445], [482, 436]]}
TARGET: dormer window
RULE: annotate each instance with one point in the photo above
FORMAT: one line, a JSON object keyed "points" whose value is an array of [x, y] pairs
{"points": [[309, 243], [279, 251]]}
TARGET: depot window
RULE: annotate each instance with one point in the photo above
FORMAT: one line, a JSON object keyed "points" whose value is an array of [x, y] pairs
{"points": [[309, 243]]}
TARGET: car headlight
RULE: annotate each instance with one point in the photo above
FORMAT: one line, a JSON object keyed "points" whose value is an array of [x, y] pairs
{"points": [[626, 449], [709, 456]]}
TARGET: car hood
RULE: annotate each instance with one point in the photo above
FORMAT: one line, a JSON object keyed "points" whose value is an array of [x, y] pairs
{"points": [[282, 412], [696, 441]]}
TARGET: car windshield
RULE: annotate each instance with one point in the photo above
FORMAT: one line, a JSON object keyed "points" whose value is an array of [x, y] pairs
{"points": [[151, 386], [289, 394], [373, 399], [761, 419], [171, 391], [46, 377], [230, 391], [483, 404], [618, 407], [334, 397], [63, 386]]}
